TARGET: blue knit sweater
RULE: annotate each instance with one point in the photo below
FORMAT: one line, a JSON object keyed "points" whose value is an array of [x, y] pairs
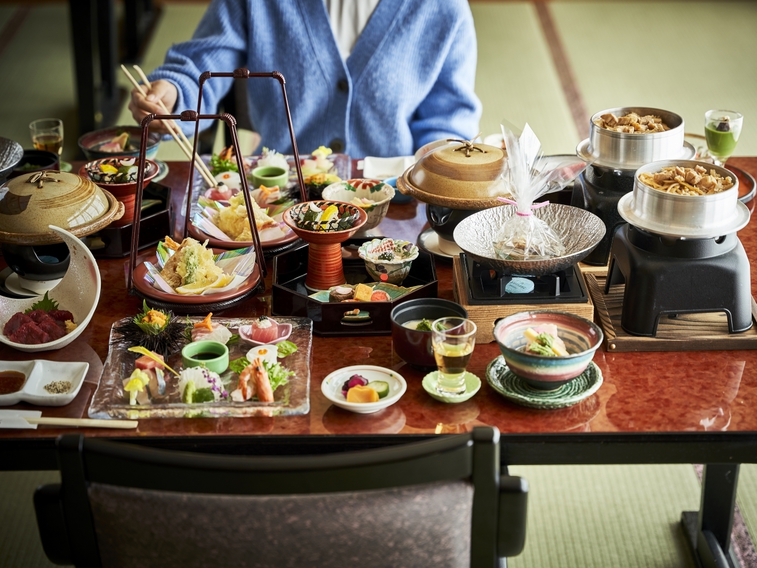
{"points": [[408, 81]]}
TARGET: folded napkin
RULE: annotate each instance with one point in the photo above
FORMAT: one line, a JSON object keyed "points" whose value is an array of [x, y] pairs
{"points": [[382, 168]]}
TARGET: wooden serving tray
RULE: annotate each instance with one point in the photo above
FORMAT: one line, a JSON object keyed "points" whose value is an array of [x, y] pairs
{"points": [[685, 332], [487, 316]]}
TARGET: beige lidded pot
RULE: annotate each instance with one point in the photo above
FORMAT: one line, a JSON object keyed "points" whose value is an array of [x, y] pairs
{"points": [[458, 175], [684, 216], [31, 203]]}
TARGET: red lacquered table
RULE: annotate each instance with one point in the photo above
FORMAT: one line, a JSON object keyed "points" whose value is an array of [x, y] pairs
{"points": [[653, 407]]}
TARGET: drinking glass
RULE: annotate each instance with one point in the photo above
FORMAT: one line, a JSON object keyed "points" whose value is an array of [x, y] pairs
{"points": [[722, 129], [47, 134], [453, 340]]}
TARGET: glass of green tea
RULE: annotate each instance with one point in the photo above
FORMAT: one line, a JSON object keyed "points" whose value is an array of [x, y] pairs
{"points": [[47, 134], [722, 129], [453, 340]]}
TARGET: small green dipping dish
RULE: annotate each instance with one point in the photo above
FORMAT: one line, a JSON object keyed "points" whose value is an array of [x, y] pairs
{"points": [[211, 354]]}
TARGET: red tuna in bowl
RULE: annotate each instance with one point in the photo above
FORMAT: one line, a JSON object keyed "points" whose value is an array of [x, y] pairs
{"points": [[581, 337]]}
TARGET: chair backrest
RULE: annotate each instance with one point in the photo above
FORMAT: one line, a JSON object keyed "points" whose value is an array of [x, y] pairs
{"points": [[431, 503]]}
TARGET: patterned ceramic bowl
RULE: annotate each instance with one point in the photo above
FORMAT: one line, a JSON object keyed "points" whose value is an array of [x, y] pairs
{"points": [[371, 195], [118, 171], [388, 260], [309, 216], [581, 337]]}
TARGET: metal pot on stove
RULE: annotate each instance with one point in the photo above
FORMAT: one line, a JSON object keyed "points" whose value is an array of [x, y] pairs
{"points": [[684, 216], [615, 156]]}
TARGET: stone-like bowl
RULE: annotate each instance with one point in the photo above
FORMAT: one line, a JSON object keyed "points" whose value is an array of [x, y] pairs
{"points": [[11, 154], [579, 230], [581, 336], [377, 192], [92, 142], [415, 346], [394, 266]]}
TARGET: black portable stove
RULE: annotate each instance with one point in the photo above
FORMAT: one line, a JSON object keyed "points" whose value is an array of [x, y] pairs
{"points": [[491, 287], [598, 190], [668, 276]]}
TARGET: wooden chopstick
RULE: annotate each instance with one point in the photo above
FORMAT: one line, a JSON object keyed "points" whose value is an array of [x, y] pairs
{"points": [[200, 164], [83, 422], [176, 132]]}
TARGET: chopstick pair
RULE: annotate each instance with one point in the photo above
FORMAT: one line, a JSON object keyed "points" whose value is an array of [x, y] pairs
{"points": [[173, 128]]}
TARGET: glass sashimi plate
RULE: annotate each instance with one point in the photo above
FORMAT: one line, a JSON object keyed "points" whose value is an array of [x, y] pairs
{"points": [[202, 227], [291, 398]]}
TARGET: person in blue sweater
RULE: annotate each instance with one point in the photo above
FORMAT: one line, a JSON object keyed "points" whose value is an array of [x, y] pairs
{"points": [[363, 77]]}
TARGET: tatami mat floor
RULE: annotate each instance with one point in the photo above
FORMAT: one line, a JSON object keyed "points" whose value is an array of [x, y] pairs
{"points": [[551, 64]]}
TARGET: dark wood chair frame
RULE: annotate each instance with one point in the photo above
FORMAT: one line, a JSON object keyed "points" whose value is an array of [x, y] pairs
{"points": [[67, 528]]}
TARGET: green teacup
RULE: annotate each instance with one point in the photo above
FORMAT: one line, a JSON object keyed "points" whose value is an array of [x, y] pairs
{"points": [[270, 176], [211, 354]]}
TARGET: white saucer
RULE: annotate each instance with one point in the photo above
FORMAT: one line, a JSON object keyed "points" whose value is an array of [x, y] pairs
{"points": [[582, 151], [738, 222], [28, 288], [428, 240]]}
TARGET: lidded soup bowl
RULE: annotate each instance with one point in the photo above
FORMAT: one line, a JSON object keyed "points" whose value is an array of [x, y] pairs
{"points": [[684, 216], [69, 201], [459, 175]]}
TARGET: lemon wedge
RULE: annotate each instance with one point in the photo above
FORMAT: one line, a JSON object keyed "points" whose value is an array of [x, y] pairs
{"points": [[199, 288], [108, 169]]}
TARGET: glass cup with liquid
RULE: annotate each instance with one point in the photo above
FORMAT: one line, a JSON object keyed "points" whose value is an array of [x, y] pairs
{"points": [[47, 135], [453, 340], [722, 129]]}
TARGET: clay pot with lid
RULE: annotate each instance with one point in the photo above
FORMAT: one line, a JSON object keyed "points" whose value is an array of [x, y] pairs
{"points": [[458, 175], [34, 202]]}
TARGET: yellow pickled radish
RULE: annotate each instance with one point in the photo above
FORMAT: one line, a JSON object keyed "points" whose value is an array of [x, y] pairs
{"points": [[108, 169], [362, 394]]}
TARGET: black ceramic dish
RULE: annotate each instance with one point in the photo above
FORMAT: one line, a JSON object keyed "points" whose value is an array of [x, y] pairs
{"points": [[35, 161], [38, 262], [415, 346]]}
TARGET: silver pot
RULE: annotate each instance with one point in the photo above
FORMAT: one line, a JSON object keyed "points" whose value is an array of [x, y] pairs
{"points": [[626, 151], [684, 216]]}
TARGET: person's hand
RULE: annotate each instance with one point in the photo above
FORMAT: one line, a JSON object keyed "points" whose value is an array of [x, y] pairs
{"points": [[159, 91]]}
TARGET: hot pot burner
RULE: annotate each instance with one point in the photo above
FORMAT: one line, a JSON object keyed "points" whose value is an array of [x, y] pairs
{"points": [[491, 287], [670, 276], [598, 190]]}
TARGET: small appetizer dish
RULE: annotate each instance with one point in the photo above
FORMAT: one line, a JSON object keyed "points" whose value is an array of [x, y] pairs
{"points": [[546, 348], [363, 389], [118, 171], [40, 382], [388, 260], [265, 331], [117, 141], [372, 195]]}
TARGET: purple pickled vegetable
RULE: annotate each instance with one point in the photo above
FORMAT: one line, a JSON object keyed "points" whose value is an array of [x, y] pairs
{"points": [[353, 381]]}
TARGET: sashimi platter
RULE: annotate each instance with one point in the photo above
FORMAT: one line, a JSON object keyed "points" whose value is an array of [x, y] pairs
{"points": [[164, 366]]}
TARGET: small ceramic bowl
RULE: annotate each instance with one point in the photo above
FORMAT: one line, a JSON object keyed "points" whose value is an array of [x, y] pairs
{"points": [[371, 195], [270, 176], [581, 337], [92, 143], [214, 355], [331, 387], [388, 260], [101, 171], [35, 161], [412, 345], [302, 217]]}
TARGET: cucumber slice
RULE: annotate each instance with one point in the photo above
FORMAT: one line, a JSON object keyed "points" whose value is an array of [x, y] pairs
{"points": [[381, 387]]}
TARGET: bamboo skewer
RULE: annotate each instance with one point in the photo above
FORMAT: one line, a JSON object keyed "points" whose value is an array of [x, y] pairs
{"points": [[83, 422], [175, 131]]}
